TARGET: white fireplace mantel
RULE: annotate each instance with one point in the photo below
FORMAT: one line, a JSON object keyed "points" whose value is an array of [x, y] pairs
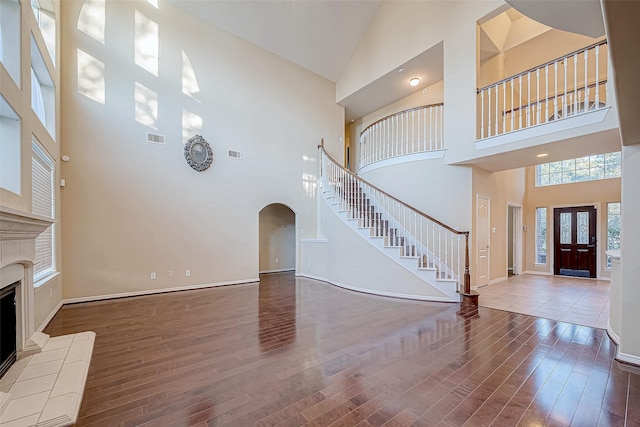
{"points": [[18, 231], [19, 225]]}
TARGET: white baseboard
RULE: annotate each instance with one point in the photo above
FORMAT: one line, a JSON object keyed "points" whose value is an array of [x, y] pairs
{"points": [[499, 279], [156, 291], [46, 321], [628, 358], [281, 270], [540, 273], [614, 337], [375, 292]]}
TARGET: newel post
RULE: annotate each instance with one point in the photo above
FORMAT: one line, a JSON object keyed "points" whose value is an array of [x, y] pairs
{"points": [[467, 275], [469, 297]]}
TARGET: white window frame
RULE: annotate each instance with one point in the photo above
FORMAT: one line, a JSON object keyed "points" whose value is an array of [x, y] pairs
{"points": [[569, 171], [546, 234], [43, 187], [608, 264]]}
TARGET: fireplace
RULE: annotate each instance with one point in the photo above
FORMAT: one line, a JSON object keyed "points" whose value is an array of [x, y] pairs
{"points": [[8, 348], [18, 335]]}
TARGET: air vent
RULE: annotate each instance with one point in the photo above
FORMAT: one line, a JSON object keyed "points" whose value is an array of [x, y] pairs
{"points": [[156, 139], [235, 154]]}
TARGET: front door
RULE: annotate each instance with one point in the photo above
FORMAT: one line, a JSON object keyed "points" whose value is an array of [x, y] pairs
{"points": [[575, 241]]}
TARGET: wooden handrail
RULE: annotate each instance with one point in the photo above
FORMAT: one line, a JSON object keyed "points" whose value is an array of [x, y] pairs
{"points": [[592, 85], [430, 218], [400, 112], [466, 282], [591, 46]]}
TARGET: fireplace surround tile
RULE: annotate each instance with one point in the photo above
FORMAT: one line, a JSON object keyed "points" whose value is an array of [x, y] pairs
{"points": [[59, 403]]}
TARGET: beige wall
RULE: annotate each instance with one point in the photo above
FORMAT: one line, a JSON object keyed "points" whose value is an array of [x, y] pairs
{"points": [[577, 194], [19, 98], [277, 238], [502, 188], [131, 207]]}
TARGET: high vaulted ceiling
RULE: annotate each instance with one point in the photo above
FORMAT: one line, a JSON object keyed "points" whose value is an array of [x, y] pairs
{"points": [[319, 35]]}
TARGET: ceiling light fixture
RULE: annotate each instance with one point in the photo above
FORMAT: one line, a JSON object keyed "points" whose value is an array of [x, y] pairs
{"points": [[414, 81], [542, 155]]}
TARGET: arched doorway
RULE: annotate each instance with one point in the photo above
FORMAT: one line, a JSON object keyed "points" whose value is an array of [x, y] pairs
{"points": [[277, 239]]}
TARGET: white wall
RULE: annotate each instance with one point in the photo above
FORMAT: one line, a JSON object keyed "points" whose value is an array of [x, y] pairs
{"points": [[630, 251], [347, 259], [431, 186], [130, 207], [402, 30]]}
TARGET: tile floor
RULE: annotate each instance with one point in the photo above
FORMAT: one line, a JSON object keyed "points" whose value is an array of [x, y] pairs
{"points": [[579, 301], [46, 389]]}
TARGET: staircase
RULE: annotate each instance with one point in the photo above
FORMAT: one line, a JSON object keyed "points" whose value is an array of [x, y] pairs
{"points": [[429, 249]]}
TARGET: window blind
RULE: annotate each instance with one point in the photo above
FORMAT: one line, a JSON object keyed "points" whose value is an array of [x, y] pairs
{"points": [[42, 203]]}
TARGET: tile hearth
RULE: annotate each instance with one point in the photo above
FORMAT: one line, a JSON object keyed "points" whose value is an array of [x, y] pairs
{"points": [[45, 389]]}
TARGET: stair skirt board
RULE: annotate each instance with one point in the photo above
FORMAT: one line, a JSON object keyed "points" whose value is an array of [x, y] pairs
{"points": [[451, 295], [374, 292]]}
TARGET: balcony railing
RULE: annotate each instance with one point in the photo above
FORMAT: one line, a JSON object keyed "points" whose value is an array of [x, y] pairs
{"points": [[571, 85], [417, 130]]}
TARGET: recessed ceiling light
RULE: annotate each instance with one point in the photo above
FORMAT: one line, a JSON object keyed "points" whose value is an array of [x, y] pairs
{"points": [[542, 155], [401, 70], [414, 81]]}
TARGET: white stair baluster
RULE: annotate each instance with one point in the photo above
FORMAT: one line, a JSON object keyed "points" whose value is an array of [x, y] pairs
{"points": [[597, 79], [482, 114], [586, 81]]}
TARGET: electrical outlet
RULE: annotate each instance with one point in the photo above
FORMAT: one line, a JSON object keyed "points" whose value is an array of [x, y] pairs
{"points": [[277, 260], [187, 273], [170, 274], [50, 292], [153, 276], [309, 264]]}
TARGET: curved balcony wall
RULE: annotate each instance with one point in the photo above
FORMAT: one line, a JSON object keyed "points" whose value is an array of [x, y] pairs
{"points": [[409, 132]]}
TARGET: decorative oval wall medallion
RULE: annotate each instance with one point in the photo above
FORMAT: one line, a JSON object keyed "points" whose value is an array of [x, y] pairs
{"points": [[198, 153]]}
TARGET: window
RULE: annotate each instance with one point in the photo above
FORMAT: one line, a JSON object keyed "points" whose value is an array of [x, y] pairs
{"points": [[10, 38], [42, 90], [47, 22], [10, 164], [613, 228], [37, 100], [43, 203], [541, 236], [589, 168]]}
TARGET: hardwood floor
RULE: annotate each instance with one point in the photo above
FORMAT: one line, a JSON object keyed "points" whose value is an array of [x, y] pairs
{"points": [[293, 352]]}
